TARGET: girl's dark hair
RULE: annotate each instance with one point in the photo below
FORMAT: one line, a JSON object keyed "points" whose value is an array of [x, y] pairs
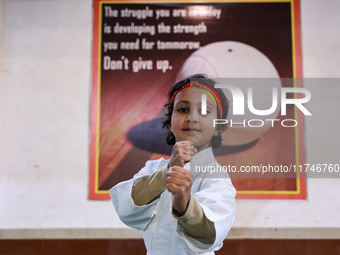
{"points": [[216, 141]]}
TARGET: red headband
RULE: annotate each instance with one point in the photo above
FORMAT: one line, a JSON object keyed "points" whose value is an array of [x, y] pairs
{"points": [[199, 85]]}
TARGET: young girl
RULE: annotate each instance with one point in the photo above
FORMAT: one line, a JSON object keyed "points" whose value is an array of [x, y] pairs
{"points": [[182, 211]]}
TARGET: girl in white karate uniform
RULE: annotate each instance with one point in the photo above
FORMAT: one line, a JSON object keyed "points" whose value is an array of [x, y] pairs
{"points": [[181, 207]]}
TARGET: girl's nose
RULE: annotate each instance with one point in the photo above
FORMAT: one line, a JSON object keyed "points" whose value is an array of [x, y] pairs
{"points": [[193, 116]]}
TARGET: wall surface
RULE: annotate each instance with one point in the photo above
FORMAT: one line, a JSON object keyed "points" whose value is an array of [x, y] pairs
{"points": [[45, 51]]}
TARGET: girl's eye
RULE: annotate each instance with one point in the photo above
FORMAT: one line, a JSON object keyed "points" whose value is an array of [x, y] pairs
{"points": [[182, 110], [208, 112]]}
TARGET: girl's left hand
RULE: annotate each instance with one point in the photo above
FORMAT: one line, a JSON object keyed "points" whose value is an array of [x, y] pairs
{"points": [[179, 184]]}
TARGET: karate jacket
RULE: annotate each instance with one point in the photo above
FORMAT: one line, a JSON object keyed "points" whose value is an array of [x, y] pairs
{"points": [[162, 234]]}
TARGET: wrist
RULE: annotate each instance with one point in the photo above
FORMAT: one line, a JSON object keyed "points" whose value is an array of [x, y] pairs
{"points": [[179, 212], [176, 213]]}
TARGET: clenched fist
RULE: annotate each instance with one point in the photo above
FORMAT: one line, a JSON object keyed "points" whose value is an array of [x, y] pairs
{"points": [[179, 180], [182, 153], [179, 183]]}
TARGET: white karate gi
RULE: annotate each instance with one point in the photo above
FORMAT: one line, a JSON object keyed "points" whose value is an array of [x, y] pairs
{"points": [[162, 234]]}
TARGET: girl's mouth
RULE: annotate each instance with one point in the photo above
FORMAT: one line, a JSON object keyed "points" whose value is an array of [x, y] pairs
{"points": [[191, 130]]}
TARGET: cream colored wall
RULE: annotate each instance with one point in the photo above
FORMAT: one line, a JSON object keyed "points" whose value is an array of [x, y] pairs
{"points": [[2, 28], [45, 49]]}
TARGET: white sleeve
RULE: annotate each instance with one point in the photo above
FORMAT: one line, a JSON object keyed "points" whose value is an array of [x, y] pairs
{"points": [[130, 214], [217, 198]]}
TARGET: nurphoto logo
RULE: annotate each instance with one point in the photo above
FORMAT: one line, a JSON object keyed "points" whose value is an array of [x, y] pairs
{"points": [[238, 104]]}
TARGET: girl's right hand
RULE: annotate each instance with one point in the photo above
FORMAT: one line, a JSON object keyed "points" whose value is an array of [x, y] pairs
{"points": [[182, 152]]}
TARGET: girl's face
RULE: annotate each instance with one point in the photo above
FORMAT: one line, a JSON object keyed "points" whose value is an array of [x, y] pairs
{"points": [[187, 122]]}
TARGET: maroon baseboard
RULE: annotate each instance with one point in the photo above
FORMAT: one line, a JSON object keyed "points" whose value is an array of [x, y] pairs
{"points": [[136, 247]]}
